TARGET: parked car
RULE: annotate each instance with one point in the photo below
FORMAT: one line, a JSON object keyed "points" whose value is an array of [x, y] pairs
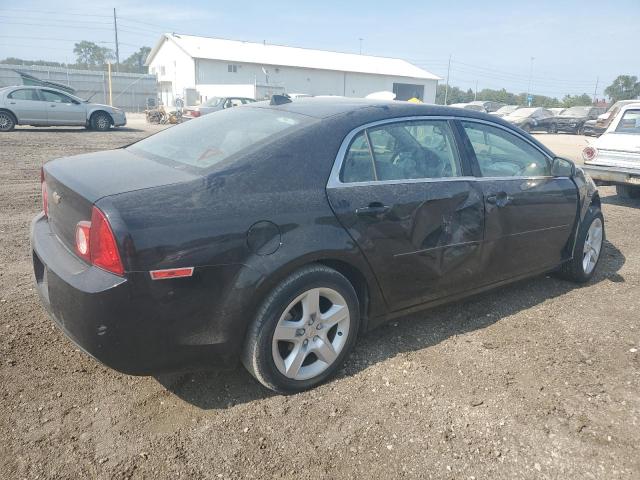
{"points": [[48, 107], [614, 158], [556, 110], [572, 119], [597, 127], [469, 106], [276, 233], [294, 96], [532, 119], [488, 105], [214, 104], [506, 110]]}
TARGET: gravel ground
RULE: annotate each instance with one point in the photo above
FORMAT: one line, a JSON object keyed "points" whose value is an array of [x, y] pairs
{"points": [[537, 380]]}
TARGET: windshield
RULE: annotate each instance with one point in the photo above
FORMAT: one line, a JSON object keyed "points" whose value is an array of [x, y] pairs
{"points": [[576, 112], [212, 102], [523, 112], [207, 141], [507, 109]]}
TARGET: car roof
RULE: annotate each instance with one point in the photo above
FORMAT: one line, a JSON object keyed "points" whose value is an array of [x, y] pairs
{"points": [[326, 107]]}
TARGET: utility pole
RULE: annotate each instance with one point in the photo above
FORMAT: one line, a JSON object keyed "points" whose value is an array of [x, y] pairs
{"points": [[475, 95], [595, 90], [530, 77], [446, 88], [115, 28], [361, 39]]}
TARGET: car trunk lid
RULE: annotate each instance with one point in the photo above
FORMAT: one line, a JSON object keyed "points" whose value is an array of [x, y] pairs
{"points": [[74, 184]]}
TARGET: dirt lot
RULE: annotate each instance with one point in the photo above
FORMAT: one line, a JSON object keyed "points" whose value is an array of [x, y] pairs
{"points": [[537, 380]]}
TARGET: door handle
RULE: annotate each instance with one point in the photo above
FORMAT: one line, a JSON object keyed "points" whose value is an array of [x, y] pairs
{"points": [[373, 209], [498, 199], [12, 103], [52, 106]]}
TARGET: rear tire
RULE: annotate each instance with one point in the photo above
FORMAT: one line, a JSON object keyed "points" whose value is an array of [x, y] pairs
{"points": [[7, 122], [303, 331], [588, 248], [628, 191], [100, 121]]}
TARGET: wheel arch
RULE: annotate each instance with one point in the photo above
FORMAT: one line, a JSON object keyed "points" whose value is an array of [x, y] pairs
{"points": [[95, 112], [364, 283]]}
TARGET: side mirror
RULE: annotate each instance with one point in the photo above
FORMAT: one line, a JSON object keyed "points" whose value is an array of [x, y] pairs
{"points": [[561, 167]]}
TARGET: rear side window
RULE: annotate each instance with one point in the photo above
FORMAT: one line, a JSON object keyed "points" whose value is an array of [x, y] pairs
{"points": [[502, 154], [629, 123], [56, 97], [209, 140], [402, 151], [24, 94]]}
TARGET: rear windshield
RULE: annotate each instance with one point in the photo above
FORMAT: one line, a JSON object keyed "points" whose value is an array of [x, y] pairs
{"points": [[629, 123], [206, 141]]}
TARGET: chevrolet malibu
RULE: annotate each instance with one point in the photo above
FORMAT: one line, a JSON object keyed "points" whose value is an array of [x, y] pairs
{"points": [[276, 233]]}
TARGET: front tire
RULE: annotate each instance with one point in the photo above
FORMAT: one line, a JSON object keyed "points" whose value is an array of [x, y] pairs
{"points": [[7, 122], [100, 121], [588, 248], [303, 331]]}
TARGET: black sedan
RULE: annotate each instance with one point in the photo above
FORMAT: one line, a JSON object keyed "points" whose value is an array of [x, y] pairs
{"points": [[572, 120], [277, 233]]}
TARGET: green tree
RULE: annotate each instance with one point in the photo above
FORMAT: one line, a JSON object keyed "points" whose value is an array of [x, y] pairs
{"points": [[625, 87], [135, 62], [576, 100], [91, 55]]}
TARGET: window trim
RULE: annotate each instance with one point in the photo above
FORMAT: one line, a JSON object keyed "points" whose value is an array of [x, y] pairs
{"points": [[9, 95], [334, 177]]}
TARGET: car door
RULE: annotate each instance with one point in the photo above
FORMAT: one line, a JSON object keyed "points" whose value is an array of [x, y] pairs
{"points": [[543, 119], [529, 214], [62, 109], [406, 198], [26, 105]]}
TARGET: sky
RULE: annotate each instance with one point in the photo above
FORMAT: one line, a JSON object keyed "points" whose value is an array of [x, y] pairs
{"points": [[573, 44]]}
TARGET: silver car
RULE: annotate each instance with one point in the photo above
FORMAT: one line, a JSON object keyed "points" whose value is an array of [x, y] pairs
{"points": [[214, 104], [45, 107]]}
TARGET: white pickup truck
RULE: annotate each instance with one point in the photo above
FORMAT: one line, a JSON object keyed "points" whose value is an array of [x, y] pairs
{"points": [[614, 158]]}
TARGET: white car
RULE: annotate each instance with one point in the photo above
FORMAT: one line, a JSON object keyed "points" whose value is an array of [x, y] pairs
{"points": [[614, 157]]}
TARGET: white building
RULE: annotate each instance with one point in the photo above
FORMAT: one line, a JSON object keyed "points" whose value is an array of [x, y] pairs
{"points": [[197, 68]]}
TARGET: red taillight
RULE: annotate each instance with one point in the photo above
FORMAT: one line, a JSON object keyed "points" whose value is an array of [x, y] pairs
{"points": [[195, 113], [96, 243], [589, 153], [45, 196]]}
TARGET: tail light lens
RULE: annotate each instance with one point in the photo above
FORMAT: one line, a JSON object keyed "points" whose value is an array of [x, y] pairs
{"points": [[589, 153], [195, 113], [96, 243], [45, 195]]}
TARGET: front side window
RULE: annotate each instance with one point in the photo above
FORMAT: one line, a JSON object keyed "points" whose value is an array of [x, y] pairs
{"points": [[24, 94], [56, 97], [402, 151], [502, 154], [629, 123]]}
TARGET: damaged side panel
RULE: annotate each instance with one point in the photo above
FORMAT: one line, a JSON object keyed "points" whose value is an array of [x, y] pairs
{"points": [[422, 239]]}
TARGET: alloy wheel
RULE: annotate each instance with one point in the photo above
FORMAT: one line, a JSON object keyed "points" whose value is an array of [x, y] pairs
{"points": [[102, 122], [311, 333], [5, 121], [592, 246]]}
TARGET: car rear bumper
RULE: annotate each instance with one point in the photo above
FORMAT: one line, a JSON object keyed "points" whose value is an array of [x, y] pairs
{"points": [[613, 175], [133, 324]]}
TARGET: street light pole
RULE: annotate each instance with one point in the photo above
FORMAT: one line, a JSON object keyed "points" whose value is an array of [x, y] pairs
{"points": [[530, 77]]}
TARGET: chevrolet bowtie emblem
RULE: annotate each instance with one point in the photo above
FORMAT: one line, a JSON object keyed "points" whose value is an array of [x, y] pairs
{"points": [[57, 198]]}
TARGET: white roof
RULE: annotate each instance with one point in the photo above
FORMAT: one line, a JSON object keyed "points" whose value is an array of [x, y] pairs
{"points": [[266, 54]]}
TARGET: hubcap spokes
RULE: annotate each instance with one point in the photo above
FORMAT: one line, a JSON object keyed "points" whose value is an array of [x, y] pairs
{"points": [[311, 333], [592, 246]]}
